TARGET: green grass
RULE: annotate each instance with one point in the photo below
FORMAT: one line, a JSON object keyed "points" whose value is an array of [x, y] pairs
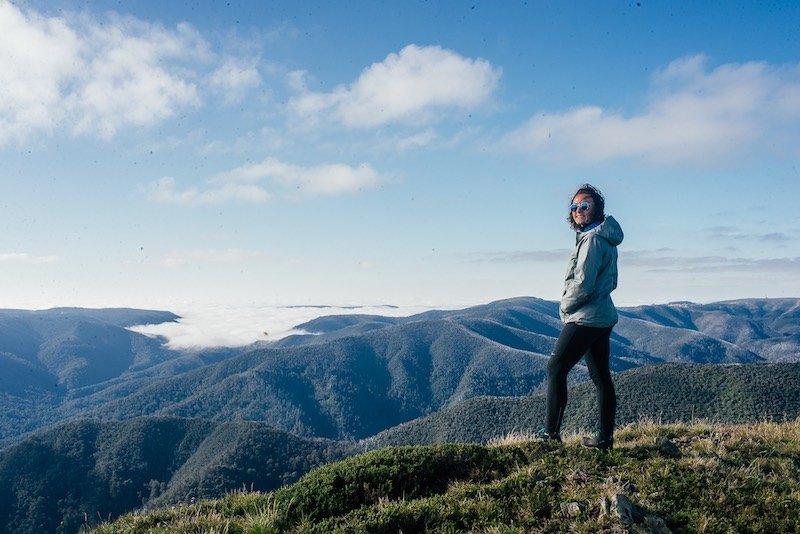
{"points": [[742, 478]]}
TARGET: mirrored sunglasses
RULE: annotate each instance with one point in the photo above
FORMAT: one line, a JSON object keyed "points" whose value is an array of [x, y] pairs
{"points": [[582, 206]]}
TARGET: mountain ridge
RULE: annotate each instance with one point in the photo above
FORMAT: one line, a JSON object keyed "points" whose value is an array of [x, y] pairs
{"points": [[398, 368]]}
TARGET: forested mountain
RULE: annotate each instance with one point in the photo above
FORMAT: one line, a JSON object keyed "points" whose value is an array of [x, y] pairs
{"points": [[47, 356], [666, 393], [347, 387], [56, 480], [355, 376], [351, 376], [53, 363], [744, 330], [64, 349]]}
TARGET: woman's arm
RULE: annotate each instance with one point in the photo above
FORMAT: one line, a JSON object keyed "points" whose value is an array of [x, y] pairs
{"points": [[578, 289]]}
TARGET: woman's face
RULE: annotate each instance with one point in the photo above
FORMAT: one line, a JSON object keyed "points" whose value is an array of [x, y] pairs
{"points": [[583, 215]]}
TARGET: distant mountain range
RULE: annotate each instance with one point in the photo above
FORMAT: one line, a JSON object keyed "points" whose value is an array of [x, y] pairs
{"points": [[55, 362], [132, 422], [351, 376]]}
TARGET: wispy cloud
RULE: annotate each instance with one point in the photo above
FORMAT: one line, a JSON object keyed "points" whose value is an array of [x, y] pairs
{"points": [[695, 114], [666, 260], [412, 85], [420, 139], [181, 258], [24, 257], [656, 260], [736, 233], [520, 256], [89, 76], [164, 191], [259, 182]]}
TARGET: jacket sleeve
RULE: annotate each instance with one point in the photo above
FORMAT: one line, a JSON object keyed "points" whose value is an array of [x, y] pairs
{"points": [[579, 289]]}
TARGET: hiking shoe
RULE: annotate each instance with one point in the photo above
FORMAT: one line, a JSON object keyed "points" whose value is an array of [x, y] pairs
{"points": [[543, 435], [599, 442]]}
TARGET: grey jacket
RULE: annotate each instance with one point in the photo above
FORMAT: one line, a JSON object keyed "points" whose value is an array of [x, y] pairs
{"points": [[592, 276]]}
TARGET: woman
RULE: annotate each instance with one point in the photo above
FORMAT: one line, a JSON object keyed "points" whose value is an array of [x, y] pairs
{"points": [[588, 315]]}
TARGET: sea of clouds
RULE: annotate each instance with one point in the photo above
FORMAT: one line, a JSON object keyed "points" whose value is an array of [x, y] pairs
{"points": [[227, 326]]}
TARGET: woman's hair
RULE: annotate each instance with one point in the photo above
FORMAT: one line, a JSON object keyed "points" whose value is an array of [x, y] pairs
{"points": [[599, 204]]}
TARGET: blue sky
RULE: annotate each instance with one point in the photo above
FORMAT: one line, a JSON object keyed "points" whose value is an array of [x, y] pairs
{"points": [[179, 154]]}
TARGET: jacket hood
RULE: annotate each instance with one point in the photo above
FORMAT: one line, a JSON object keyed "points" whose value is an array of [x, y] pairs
{"points": [[609, 229]]}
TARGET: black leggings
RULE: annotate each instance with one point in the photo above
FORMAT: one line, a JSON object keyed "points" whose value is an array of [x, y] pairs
{"points": [[578, 341]]}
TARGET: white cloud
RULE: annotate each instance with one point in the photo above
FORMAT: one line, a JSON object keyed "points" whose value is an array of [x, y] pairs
{"points": [[240, 326], [164, 191], [695, 114], [90, 77], [420, 139], [128, 77], [245, 183], [37, 55], [408, 86], [24, 257], [234, 79], [327, 179]]}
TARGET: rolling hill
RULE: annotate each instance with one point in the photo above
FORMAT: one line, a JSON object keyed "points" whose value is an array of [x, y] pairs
{"points": [[56, 479]]}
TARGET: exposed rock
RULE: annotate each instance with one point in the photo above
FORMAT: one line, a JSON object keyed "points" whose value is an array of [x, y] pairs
{"points": [[572, 509], [631, 516], [579, 477], [621, 508], [653, 524], [667, 448]]}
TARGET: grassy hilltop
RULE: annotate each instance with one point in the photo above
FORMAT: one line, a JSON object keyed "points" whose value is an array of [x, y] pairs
{"points": [[659, 478]]}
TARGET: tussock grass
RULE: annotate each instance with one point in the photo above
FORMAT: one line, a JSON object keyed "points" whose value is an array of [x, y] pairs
{"points": [[522, 437], [725, 478], [515, 437]]}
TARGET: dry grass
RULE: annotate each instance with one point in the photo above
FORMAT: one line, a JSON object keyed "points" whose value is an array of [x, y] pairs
{"points": [[523, 437]]}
